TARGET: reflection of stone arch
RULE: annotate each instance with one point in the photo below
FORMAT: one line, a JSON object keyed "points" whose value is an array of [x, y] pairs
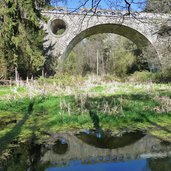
{"points": [[86, 153], [110, 142], [60, 145]]}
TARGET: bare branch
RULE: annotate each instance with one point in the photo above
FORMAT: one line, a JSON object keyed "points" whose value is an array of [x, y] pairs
{"points": [[129, 7]]}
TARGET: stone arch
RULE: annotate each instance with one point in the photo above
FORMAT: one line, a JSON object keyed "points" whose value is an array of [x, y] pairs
{"points": [[135, 36]]}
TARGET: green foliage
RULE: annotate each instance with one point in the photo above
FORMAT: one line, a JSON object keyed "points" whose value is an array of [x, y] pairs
{"points": [[110, 78], [21, 43], [119, 106], [109, 54], [166, 75], [103, 54], [143, 76], [63, 80], [146, 76], [70, 66], [60, 31], [98, 89], [3, 68], [123, 63]]}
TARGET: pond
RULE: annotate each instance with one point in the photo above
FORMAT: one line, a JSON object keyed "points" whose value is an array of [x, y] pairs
{"points": [[94, 151]]}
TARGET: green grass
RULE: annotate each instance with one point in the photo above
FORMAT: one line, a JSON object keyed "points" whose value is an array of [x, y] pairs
{"points": [[5, 90], [98, 89], [118, 107]]}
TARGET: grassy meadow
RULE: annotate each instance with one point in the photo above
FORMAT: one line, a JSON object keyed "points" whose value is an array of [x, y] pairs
{"points": [[47, 106]]}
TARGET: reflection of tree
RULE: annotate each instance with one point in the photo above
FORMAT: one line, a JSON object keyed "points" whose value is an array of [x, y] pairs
{"points": [[95, 119], [160, 164], [26, 157]]}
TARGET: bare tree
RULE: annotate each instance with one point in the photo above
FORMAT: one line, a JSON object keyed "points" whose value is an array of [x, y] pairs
{"points": [[127, 5], [158, 6]]}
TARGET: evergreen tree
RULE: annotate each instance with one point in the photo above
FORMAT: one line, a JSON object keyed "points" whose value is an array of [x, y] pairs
{"points": [[21, 43]]}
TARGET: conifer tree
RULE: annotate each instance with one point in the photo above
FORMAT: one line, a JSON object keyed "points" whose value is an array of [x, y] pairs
{"points": [[21, 38]]}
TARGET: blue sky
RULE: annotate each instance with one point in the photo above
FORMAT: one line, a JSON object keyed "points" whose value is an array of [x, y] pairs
{"points": [[136, 5]]}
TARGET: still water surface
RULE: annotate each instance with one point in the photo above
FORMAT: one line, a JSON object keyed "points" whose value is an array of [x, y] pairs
{"points": [[92, 151]]}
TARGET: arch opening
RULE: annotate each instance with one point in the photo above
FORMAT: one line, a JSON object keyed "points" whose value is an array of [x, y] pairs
{"points": [[58, 27], [60, 146], [136, 37]]}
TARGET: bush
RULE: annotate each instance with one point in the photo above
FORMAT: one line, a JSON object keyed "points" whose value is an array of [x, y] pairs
{"points": [[63, 79], [166, 75], [146, 76], [143, 76], [110, 78], [123, 64]]}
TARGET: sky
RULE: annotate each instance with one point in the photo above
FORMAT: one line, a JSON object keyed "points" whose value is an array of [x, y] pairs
{"points": [[136, 5]]}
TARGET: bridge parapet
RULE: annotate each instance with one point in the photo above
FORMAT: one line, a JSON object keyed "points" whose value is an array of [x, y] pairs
{"points": [[106, 12]]}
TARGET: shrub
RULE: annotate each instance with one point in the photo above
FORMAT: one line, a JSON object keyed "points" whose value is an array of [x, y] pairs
{"points": [[143, 76], [110, 78], [166, 75]]}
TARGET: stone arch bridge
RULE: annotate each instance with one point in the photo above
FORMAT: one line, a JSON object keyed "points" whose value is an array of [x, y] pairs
{"points": [[66, 28]]}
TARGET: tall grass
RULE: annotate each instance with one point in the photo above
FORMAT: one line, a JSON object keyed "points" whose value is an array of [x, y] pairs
{"points": [[66, 106]]}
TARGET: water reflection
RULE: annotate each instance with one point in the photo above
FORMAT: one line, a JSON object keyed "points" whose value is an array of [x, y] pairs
{"points": [[162, 164], [86, 151], [138, 165], [60, 146], [101, 140]]}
